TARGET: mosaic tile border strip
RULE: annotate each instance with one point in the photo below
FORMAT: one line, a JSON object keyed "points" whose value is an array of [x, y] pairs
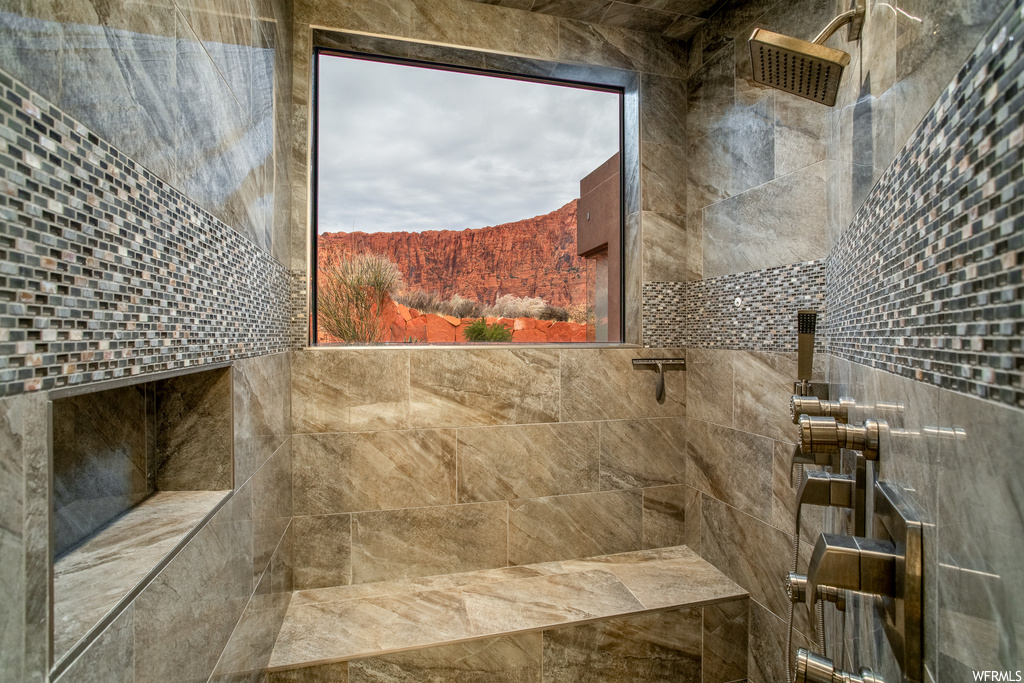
{"points": [[107, 271], [299, 296], [927, 281], [704, 313]]}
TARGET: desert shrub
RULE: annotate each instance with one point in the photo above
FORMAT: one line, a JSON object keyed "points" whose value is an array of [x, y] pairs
{"points": [[556, 313], [480, 331], [509, 306], [420, 300], [458, 306], [351, 294], [580, 313]]}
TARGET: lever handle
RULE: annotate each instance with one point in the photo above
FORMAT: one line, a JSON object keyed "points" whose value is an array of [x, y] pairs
{"points": [[864, 565]]}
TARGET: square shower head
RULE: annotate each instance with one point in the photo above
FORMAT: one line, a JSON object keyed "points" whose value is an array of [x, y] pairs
{"points": [[806, 69]]}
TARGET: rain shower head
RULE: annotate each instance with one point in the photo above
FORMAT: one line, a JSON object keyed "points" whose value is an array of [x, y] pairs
{"points": [[796, 66]]}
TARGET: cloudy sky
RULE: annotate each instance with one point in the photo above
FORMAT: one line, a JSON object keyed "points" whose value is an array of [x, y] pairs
{"points": [[407, 149]]}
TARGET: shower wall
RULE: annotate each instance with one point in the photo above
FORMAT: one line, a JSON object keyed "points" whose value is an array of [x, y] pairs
{"points": [[921, 275], [420, 462], [144, 230], [427, 461]]}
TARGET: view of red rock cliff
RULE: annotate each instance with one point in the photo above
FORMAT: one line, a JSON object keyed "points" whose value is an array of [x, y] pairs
{"points": [[534, 257]]}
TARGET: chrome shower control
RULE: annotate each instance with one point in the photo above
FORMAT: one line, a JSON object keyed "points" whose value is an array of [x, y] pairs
{"points": [[823, 437], [796, 587], [812, 668], [826, 489], [815, 407]]}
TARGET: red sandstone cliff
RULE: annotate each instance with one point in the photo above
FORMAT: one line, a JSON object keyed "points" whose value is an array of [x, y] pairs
{"points": [[532, 257]]}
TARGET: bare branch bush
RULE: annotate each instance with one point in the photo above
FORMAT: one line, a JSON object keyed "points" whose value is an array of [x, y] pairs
{"points": [[352, 292]]}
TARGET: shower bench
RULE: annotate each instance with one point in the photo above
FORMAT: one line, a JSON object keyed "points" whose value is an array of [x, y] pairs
{"points": [[662, 614]]}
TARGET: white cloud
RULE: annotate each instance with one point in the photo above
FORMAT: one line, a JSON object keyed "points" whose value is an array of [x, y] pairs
{"points": [[408, 148]]}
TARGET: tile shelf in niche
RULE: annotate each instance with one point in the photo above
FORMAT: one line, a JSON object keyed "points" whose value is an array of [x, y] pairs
{"points": [[139, 465], [99, 578]]}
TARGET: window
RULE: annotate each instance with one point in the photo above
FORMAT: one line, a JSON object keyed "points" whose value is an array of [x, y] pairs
{"points": [[455, 206]]}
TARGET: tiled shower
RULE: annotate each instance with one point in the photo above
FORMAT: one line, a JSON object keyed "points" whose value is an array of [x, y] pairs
{"points": [[154, 201]]}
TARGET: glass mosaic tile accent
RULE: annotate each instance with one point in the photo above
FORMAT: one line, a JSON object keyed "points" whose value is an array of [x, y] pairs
{"points": [[927, 281], [107, 271], [705, 313]]}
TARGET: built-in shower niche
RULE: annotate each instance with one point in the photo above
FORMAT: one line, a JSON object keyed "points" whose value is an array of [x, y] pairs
{"points": [[136, 468]]}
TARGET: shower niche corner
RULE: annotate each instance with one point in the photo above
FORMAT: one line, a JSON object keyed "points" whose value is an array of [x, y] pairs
{"points": [[137, 466]]}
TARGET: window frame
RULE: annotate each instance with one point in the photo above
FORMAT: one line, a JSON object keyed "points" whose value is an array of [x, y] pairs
{"points": [[617, 81]]}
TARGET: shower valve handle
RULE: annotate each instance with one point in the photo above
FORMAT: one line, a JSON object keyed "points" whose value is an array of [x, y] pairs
{"points": [[816, 407], [823, 437]]}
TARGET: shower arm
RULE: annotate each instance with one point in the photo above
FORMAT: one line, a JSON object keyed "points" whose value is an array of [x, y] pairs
{"points": [[854, 17]]}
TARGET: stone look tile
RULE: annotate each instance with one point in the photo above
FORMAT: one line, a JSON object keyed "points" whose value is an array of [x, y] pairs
{"points": [[709, 95], [337, 390], [763, 387], [800, 134], [665, 247], [735, 155], [272, 506], [194, 432], [320, 673], [424, 541], [639, 453], [323, 546], [751, 553], [664, 522], [568, 527], [262, 405], [615, 47], [659, 586], [733, 466], [725, 641], [633, 283], [110, 657], [528, 461], [466, 388], [16, 416], [546, 601], [789, 215], [506, 659], [342, 472], [206, 586], [102, 461], [710, 387], [495, 28], [368, 620], [248, 649], [664, 170], [599, 384], [693, 516], [388, 17], [123, 53], [415, 585], [659, 646], [338, 630], [767, 646], [91, 579], [981, 526], [663, 110]]}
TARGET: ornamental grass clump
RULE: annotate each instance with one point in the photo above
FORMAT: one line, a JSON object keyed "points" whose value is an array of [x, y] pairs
{"points": [[480, 331], [352, 293]]}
